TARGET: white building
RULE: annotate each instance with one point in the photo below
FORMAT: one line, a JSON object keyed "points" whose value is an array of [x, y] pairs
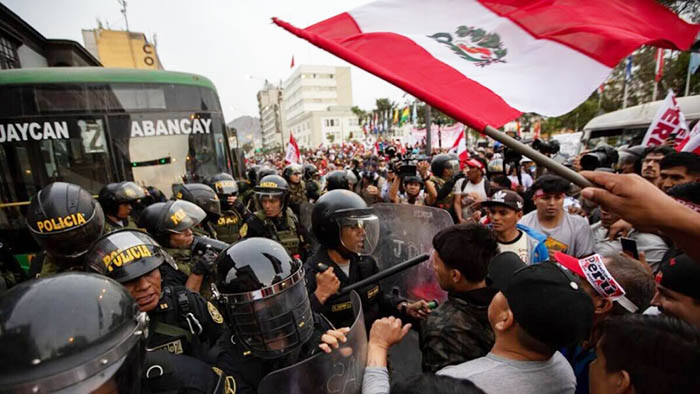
{"points": [[316, 106], [271, 119]]}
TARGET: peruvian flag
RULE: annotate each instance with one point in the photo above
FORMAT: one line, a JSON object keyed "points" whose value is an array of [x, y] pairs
{"points": [[293, 155], [460, 147], [691, 142], [484, 62]]}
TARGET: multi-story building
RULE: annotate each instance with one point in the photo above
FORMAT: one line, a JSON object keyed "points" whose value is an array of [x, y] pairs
{"points": [[316, 104], [118, 48], [21, 46], [271, 119]]}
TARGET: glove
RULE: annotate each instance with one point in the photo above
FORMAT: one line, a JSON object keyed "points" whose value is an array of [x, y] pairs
{"points": [[204, 263], [239, 207]]}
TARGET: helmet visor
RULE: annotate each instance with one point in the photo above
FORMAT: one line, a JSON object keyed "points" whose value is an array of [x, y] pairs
{"points": [[274, 326], [454, 165], [129, 191], [226, 187], [210, 205], [182, 215], [359, 233]]}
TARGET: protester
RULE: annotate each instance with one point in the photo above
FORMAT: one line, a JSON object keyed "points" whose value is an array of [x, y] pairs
{"points": [[653, 246], [538, 309], [505, 209], [651, 162], [458, 330], [678, 168], [599, 275], [645, 355], [646, 208], [474, 188], [677, 290], [565, 232]]}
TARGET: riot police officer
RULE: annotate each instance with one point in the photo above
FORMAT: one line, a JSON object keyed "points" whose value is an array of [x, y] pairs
{"points": [[348, 232], [95, 342], [118, 200], [313, 186], [228, 226], [276, 220], [170, 224], [64, 219], [270, 332], [337, 179], [181, 322], [206, 198], [445, 169], [247, 186], [297, 188]]}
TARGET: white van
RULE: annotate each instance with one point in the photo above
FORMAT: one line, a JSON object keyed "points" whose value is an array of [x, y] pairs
{"points": [[628, 126]]}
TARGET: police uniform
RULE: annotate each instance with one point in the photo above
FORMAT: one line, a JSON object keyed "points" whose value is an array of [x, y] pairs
{"points": [[228, 227], [167, 373], [313, 190], [445, 202], [297, 195], [286, 230], [184, 323], [111, 225], [338, 309], [44, 265]]}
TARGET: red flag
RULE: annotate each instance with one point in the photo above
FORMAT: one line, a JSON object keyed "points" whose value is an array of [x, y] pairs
{"points": [[460, 147], [292, 65], [660, 52], [467, 58], [292, 155], [691, 142]]}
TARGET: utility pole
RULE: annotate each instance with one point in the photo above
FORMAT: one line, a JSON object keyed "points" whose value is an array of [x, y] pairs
{"points": [[123, 11], [428, 134]]}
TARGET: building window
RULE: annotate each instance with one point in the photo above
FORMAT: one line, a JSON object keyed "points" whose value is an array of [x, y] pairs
{"points": [[8, 54]]}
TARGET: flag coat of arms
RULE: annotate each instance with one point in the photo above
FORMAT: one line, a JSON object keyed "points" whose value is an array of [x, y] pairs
{"points": [[484, 62]]}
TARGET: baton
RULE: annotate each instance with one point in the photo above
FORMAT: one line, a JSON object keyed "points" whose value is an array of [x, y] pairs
{"points": [[538, 157], [383, 274]]}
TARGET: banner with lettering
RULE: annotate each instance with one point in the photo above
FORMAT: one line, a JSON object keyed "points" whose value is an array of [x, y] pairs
{"points": [[668, 121]]}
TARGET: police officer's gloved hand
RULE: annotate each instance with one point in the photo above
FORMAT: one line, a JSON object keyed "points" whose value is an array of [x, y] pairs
{"points": [[204, 263], [239, 207]]}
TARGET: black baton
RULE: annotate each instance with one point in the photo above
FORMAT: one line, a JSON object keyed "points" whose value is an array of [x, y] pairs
{"points": [[383, 274]]}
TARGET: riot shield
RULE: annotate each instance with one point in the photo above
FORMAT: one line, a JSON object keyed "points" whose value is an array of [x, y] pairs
{"points": [[405, 232], [305, 210], [338, 372]]}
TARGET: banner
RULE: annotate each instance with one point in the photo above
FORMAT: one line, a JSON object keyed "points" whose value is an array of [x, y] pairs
{"points": [[668, 121], [293, 156], [447, 134]]}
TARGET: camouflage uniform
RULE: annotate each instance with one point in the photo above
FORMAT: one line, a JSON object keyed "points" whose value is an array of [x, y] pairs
{"points": [[286, 230], [44, 265], [446, 202], [111, 226], [297, 195], [458, 330]]}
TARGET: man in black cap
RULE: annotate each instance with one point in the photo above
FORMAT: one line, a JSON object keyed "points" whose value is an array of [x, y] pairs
{"points": [[677, 291], [538, 309]]}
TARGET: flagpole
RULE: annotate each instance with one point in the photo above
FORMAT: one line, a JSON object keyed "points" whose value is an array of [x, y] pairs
{"points": [[687, 81], [537, 157]]}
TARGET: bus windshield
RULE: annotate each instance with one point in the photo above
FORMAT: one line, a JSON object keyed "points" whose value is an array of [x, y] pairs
{"points": [[92, 134]]}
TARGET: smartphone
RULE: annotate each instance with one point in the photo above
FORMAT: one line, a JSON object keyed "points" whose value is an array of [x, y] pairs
{"points": [[629, 247]]}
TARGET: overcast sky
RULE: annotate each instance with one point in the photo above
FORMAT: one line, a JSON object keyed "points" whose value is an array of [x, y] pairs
{"points": [[232, 42]]}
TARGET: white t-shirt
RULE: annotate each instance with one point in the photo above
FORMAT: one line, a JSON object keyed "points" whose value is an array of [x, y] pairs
{"points": [[572, 236], [478, 188], [527, 180], [517, 246]]}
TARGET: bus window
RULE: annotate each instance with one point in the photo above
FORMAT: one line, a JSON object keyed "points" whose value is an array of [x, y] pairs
{"points": [[137, 96], [51, 99]]}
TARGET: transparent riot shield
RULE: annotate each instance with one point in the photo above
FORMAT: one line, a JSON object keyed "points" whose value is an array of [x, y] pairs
{"points": [[305, 210], [405, 232], [338, 372]]}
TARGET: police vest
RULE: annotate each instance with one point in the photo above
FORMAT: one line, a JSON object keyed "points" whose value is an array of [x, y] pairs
{"points": [[289, 237], [228, 227]]}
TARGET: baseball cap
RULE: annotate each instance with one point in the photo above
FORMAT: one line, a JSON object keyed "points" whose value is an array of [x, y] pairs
{"points": [[593, 270], [546, 301], [509, 198], [474, 163], [681, 274]]}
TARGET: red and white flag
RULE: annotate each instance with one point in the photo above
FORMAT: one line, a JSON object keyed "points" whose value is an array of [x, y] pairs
{"points": [[460, 147], [659, 70], [691, 142], [484, 62], [293, 155], [668, 121]]}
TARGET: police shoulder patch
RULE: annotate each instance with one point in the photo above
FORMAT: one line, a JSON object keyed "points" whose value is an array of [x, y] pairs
{"points": [[214, 313], [244, 230]]}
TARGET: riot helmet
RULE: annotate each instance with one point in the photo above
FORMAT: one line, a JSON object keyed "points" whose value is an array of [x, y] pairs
{"points": [[265, 171], [125, 255], [310, 172], [252, 174], [292, 169], [337, 179], [273, 186], [71, 333], [495, 166], [164, 218], [204, 196], [114, 194], [342, 221], [225, 186], [442, 162], [65, 219], [262, 293]]}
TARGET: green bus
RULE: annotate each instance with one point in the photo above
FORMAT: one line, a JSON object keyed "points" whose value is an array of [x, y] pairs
{"points": [[92, 126]]}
